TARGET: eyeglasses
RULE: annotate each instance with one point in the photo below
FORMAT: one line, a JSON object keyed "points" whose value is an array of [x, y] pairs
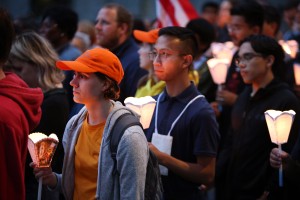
{"points": [[163, 55], [246, 58], [234, 28]]}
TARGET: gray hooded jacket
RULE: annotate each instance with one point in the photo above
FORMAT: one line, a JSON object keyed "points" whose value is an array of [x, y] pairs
{"points": [[132, 157]]}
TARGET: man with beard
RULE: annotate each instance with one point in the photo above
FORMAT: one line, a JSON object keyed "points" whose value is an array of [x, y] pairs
{"points": [[113, 31]]}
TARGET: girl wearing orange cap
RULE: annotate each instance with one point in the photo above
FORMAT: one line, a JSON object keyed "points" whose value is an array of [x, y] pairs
{"points": [[148, 85], [88, 166]]}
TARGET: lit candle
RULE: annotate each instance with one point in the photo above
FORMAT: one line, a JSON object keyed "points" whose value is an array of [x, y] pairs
{"points": [[143, 106], [279, 125], [297, 73], [41, 149]]}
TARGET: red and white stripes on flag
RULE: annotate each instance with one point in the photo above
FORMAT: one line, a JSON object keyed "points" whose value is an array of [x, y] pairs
{"points": [[174, 12]]}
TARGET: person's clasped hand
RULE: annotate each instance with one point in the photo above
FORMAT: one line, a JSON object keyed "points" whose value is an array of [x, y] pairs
{"points": [[226, 97], [49, 178]]}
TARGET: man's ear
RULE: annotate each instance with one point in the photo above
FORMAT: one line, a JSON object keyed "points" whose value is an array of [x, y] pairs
{"points": [[123, 28], [270, 61], [188, 60], [105, 86]]}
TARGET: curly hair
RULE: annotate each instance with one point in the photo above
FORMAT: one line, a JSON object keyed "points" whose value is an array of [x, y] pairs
{"points": [[113, 91]]}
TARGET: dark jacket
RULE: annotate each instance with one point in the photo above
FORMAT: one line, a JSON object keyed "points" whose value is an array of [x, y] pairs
{"points": [[129, 57], [244, 161]]}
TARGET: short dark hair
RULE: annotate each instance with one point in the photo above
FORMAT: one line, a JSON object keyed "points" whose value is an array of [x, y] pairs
{"points": [[252, 12], [186, 36], [123, 15], [113, 91], [7, 35], [266, 46], [211, 4], [272, 15], [290, 4], [205, 31], [65, 18]]}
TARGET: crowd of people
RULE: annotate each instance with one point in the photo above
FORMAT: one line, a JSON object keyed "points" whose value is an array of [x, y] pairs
{"points": [[71, 77]]}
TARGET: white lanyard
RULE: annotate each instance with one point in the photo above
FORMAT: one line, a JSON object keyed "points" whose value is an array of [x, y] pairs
{"points": [[175, 121]]}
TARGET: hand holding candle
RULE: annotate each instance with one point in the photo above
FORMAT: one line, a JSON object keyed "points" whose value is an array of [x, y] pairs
{"points": [[42, 149], [218, 69], [279, 125]]}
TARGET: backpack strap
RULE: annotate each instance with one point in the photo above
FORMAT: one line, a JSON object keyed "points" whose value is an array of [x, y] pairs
{"points": [[122, 123]]}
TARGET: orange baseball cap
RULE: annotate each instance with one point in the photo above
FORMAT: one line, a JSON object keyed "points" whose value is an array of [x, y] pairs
{"points": [[96, 60], [147, 37]]}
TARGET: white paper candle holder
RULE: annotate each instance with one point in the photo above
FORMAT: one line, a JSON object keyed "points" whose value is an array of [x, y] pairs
{"points": [[279, 125], [218, 69], [290, 47], [143, 106], [41, 149], [297, 73]]}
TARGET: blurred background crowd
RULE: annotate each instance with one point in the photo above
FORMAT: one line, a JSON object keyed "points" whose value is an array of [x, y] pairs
{"points": [[64, 29]]}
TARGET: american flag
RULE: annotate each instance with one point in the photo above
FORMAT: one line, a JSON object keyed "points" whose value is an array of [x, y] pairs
{"points": [[174, 12]]}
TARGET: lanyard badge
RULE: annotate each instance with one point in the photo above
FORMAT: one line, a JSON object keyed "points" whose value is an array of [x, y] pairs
{"points": [[164, 142]]}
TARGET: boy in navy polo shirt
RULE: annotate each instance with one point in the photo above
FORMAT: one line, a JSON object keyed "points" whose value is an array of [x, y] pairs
{"points": [[183, 132]]}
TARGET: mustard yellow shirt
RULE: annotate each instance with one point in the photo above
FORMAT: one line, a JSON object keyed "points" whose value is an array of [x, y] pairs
{"points": [[194, 76], [86, 160], [150, 88]]}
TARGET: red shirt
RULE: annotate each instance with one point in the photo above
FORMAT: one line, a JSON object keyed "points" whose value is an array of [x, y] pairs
{"points": [[20, 113]]}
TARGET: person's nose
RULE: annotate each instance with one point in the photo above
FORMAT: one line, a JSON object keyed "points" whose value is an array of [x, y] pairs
{"points": [[156, 63], [74, 82], [140, 51], [241, 64], [98, 26], [157, 60]]}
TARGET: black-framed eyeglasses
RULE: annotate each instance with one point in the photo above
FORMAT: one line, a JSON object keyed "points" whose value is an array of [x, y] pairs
{"points": [[246, 57], [152, 55], [163, 55]]}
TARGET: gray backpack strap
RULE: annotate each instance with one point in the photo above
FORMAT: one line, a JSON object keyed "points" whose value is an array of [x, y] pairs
{"points": [[122, 123]]}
